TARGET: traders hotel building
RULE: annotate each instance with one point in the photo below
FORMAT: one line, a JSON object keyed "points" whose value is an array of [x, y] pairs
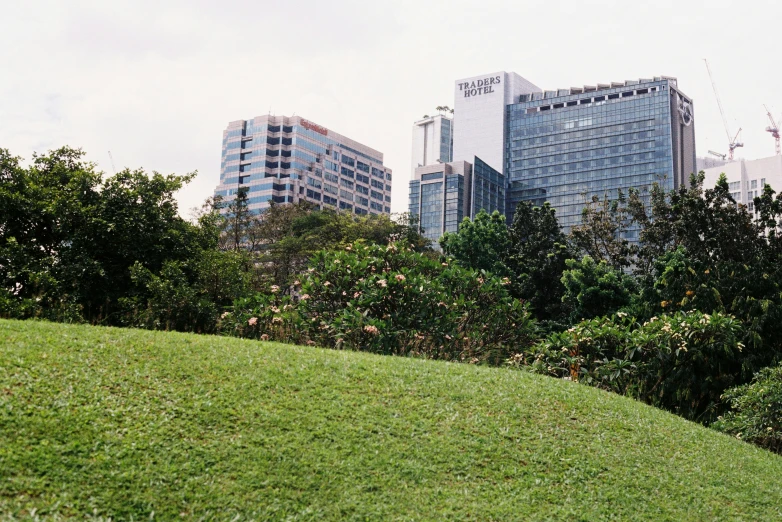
{"points": [[564, 146], [290, 159]]}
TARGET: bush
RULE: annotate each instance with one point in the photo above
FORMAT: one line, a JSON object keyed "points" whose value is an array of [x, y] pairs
{"points": [[756, 410], [392, 300], [682, 362], [265, 316]]}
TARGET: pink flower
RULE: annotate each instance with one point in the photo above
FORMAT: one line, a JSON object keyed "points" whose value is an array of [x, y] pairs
{"points": [[225, 314], [400, 277], [274, 289], [265, 337], [274, 309], [382, 282], [326, 284], [356, 295], [276, 319], [304, 297], [371, 329], [252, 321]]}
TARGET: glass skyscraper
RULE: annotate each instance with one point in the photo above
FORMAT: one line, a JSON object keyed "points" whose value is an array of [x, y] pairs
{"points": [[290, 159], [442, 195], [568, 145]]}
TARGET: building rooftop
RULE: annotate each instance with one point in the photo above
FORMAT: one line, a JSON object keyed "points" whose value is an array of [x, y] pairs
{"points": [[544, 95]]}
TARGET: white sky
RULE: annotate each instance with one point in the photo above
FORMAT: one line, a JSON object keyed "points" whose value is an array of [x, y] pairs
{"points": [[156, 82]]}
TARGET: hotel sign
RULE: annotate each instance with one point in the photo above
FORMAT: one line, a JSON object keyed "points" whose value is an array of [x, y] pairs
{"points": [[313, 127], [479, 87]]}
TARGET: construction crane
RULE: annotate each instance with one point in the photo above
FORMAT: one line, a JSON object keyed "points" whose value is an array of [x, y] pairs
{"points": [[112, 163], [718, 155], [733, 143], [774, 130]]}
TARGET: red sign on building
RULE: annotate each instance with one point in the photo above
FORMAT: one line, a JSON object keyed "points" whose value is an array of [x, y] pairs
{"points": [[313, 127]]}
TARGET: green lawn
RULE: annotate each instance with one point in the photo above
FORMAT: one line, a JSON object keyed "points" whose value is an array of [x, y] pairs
{"points": [[123, 423]]}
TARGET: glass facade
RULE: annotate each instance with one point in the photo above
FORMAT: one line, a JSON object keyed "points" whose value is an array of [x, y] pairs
{"points": [[432, 210], [250, 157], [565, 148], [488, 189]]}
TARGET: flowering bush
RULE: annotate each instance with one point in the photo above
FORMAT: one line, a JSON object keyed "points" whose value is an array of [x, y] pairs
{"points": [[264, 316], [391, 300], [682, 362]]}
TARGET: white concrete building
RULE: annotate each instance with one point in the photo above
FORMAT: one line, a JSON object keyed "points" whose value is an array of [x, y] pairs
{"points": [[479, 112], [432, 141], [746, 178]]}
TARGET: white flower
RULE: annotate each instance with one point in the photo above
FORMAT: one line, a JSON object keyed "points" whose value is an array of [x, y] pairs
{"points": [[400, 277], [252, 321], [274, 289], [382, 282]]}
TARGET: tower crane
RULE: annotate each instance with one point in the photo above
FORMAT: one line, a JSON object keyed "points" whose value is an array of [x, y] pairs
{"points": [[112, 163], [774, 130], [733, 143]]}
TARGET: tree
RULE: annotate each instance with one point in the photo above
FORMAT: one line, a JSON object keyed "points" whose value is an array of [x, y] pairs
{"points": [[595, 289], [536, 259], [481, 244], [601, 232]]}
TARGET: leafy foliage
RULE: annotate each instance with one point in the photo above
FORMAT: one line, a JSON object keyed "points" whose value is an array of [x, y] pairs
{"points": [[681, 362], [756, 410], [481, 244], [595, 289]]}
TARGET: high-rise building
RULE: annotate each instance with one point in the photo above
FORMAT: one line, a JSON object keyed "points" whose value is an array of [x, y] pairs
{"points": [[746, 178], [290, 159], [479, 114], [432, 141], [443, 194], [568, 145]]}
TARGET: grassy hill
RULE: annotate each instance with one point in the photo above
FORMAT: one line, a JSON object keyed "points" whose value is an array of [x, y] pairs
{"points": [[123, 423]]}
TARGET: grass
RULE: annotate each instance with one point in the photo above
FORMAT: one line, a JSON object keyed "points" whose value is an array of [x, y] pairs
{"points": [[128, 424]]}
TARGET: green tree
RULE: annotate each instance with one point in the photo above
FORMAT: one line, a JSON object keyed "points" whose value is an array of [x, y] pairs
{"points": [[481, 244], [595, 289], [536, 259], [601, 234]]}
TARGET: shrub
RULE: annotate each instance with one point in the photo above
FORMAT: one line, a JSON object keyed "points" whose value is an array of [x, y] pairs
{"points": [[682, 362], [756, 410], [391, 300], [265, 316]]}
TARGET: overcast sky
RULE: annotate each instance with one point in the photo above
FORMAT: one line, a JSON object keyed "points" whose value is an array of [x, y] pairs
{"points": [[157, 82]]}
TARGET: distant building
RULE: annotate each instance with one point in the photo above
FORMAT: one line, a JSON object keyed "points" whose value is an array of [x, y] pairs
{"points": [[703, 163], [442, 195], [746, 178], [479, 112], [290, 159], [565, 146], [432, 141]]}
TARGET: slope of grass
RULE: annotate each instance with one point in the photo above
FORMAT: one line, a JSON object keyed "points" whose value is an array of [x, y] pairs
{"points": [[125, 423]]}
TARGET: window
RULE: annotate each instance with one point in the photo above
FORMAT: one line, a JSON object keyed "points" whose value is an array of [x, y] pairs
{"points": [[362, 178], [424, 177], [346, 183], [347, 196], [753, 184], [348, 161], [363, 167], [347, 172]]}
